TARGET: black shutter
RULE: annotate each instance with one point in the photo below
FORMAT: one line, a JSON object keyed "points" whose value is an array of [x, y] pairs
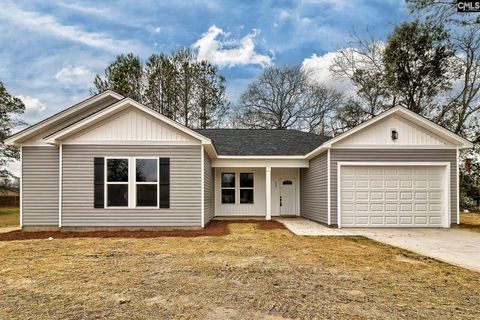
{"points": [[98, 180], [164, 182]]}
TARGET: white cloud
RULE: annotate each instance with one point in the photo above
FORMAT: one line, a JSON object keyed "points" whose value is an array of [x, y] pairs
{"points": [[229, 52], [33, 107], [47, 24], [319, 68], [79, 76]]}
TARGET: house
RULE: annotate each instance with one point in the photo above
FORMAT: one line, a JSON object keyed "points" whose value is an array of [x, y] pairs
{"points": [[109, 161], [9, 198]]}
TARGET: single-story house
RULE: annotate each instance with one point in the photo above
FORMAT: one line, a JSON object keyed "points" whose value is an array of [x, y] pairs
{"points": [[109, 161]]}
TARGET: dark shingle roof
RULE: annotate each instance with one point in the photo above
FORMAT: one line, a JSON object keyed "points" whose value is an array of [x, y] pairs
{"points": [[260, 142]]}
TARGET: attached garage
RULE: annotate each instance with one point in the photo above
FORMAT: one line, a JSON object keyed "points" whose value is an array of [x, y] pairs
{"points": [[393, 194]]}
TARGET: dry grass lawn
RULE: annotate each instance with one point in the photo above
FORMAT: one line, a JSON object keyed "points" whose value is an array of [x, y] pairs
{"points": [[470, 221], [248, 274], [9, 217]]}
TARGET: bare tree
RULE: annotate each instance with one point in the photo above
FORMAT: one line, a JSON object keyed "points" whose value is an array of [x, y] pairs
{"points": [[443, 11], [464, 102], [361, 63], [321, 104], [275, 100]]}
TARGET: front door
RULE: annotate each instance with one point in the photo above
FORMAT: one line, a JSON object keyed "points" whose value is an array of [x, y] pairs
{"points": [[287, 197]]}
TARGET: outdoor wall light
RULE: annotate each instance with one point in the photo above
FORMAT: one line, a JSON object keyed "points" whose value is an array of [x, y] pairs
{"points": [[394, 134]]}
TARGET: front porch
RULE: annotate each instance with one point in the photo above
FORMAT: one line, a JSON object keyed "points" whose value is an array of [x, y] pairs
{"points": [[263, 192]]}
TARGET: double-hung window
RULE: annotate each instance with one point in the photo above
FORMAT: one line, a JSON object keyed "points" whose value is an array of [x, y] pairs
{"points": [[246, 187], [228, 187], [117, 184], [132, 182], [146, 182], [237, 188]]}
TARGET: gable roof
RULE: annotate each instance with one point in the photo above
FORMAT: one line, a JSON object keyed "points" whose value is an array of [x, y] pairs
{"points": [[263, 142], [60, 117], [403, 112], [60, 135]]}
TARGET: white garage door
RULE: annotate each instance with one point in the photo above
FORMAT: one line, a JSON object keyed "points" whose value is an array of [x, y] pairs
{"points": [[391, 196]]}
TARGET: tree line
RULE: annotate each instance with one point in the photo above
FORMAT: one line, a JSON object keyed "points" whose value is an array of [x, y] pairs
{"points": [[178, 86]]}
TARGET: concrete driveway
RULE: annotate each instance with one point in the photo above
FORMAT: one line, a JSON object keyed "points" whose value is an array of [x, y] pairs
{"points": [[457, 247]]}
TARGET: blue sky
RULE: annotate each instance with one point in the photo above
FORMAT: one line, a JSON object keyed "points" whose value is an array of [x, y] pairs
{"points": [[51, 50]]}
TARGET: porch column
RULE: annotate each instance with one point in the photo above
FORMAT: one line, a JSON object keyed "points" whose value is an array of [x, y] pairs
{"points": [[268, 193]]}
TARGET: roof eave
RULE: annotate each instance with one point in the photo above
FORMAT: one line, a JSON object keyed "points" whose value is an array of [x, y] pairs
{"points": [[16, 138]]}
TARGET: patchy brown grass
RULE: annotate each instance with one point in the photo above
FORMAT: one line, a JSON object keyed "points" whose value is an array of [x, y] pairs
{"points": [[470, 221], [214, 228], [250, 273], [9, 217]]}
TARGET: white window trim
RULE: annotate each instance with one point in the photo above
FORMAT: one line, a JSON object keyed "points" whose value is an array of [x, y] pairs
{"points": [[228, 188], [132, 183], [246, 188], [106, 182], [146, 183], [237, 187]]}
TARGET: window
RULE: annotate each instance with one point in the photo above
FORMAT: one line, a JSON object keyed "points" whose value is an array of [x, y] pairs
{"points": [[246, 187], [117, 182], [146, 182], [228, 187]]}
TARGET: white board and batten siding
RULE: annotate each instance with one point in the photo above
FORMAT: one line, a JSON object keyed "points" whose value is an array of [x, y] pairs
{"points": [[258, 208], [40, 175], [132, 125], [379, 134], [185, 186]]}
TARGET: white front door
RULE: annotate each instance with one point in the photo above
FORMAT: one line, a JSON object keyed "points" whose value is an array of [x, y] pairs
{"points": [[287, 197]]}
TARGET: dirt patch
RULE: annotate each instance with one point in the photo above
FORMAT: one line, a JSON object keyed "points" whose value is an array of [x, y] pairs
{"points": [[249, 273], [470, 221], [214, 228]]}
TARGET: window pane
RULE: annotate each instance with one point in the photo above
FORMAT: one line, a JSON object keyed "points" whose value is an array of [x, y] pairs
{"points": [[117, 195], [246, 180], [228, 195], [228, 180], [146, 170], [146, 195], [117, 170], [246, 196]]}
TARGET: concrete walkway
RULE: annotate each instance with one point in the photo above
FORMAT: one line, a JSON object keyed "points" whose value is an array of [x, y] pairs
{"points": [[457, 247]]}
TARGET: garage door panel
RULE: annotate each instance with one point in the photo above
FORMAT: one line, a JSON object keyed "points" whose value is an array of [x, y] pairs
{"points": [[377, 220], [435, 220], [421, 195], [392, 196], [421, 220], [406, 195], [361, 184]]}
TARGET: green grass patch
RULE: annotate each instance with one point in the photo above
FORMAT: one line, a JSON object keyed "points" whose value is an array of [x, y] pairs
{"points": [[9, 217], [6, 211]]}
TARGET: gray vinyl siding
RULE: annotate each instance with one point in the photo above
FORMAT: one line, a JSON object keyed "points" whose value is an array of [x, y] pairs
{"points": [[209, 189], [185, 188], [40, 186], [314, 190], [377, 155]]}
